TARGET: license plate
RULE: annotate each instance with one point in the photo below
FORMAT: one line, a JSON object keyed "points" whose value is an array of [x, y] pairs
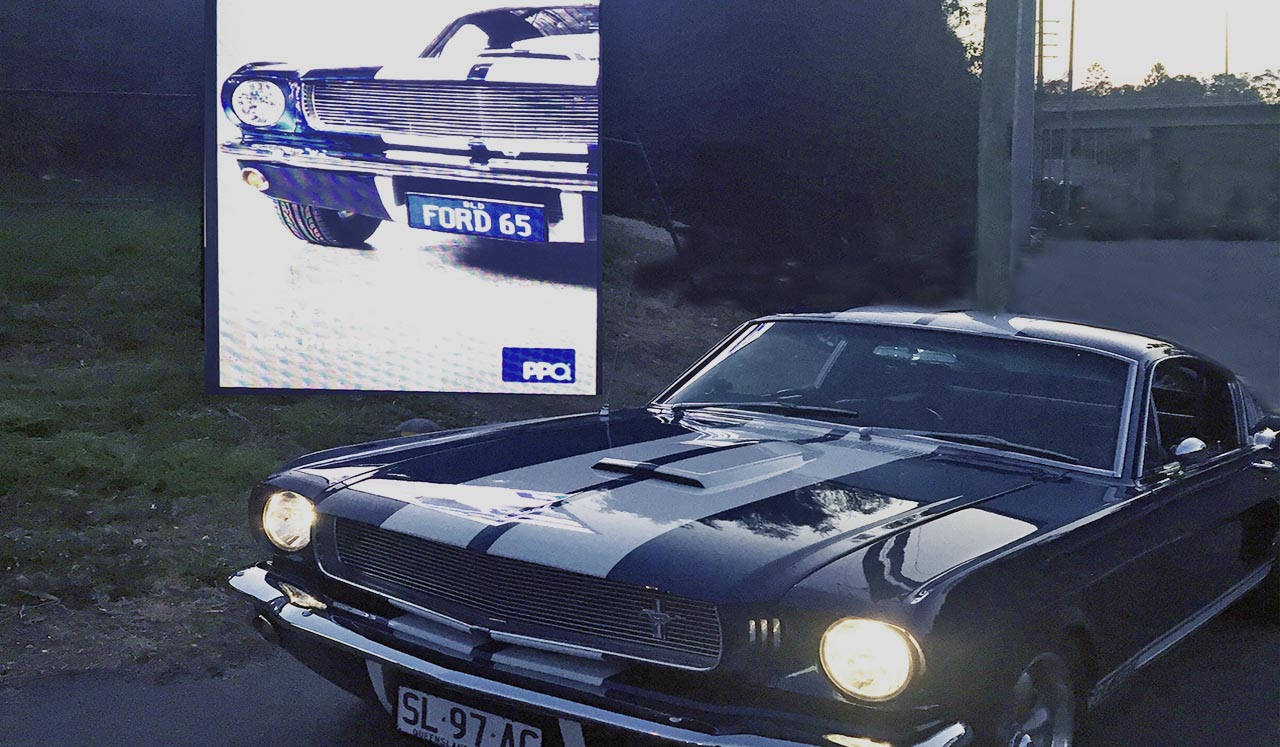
{"points": [[444, 722], [501, 220]]}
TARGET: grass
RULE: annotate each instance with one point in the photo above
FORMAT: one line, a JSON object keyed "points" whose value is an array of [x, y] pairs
{"points": [[118, 471], [122, 483]]}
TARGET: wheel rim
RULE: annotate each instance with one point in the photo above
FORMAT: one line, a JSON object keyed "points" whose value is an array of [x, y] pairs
{"points": [[1042, 706]]}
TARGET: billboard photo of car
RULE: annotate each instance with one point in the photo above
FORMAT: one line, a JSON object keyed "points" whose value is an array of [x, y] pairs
{"points": [[406, 197]]}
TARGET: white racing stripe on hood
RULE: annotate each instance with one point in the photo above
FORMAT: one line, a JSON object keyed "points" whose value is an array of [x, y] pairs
{"points": [[575, 473], [455, 514], [624, 519], [413, 519], [501, 70], [486, 505], [420, 68], [537, 70]]}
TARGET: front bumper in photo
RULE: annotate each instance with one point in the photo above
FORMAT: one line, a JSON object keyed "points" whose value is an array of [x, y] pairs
{"points": [[512, 172], [376, 185], [286, 620]]}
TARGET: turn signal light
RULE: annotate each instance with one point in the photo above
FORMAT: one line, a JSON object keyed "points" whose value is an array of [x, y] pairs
{"points": [[255, 179]]}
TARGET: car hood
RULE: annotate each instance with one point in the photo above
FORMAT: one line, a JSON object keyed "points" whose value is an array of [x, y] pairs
{"points": [[510, 66], [715, 506]]}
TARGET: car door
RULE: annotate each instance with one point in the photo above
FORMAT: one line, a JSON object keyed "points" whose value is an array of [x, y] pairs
{"points": [[1205, 498]]}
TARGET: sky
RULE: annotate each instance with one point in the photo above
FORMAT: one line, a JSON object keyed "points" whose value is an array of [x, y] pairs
{"points": [[1128, 36]]}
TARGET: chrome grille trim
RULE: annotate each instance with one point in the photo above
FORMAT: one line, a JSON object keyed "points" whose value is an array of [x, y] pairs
{"points": [[514, 597], [470, 109]]}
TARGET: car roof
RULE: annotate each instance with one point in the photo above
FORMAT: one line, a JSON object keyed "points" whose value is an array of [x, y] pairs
{"points": [[1123, 344]]}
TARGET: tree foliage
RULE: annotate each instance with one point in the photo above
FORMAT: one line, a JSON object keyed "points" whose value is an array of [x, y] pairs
{"points": [[1234, 87], [1096, 81], [1157, 76], [1159, 83], [826, 131], [1267, 84]]}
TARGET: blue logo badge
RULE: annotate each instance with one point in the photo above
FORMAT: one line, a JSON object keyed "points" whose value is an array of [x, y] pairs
{"points": [[538, 365]]}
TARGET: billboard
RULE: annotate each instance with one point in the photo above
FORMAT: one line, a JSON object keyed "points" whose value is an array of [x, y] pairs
{"points": [[404, 198]]}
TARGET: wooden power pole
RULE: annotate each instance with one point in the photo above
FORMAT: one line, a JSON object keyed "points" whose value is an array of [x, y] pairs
{"points": [[1006, 141]]}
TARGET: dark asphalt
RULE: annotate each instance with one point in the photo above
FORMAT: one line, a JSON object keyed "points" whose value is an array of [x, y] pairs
{"points": [[1221, 687], [1221, 298]]}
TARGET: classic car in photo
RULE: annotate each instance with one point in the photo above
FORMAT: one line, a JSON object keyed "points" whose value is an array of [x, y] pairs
{"points": [[869, 528], [492, 131]]}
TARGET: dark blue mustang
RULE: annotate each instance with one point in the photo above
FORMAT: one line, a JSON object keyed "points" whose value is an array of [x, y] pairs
{"points": [[867, 528]]}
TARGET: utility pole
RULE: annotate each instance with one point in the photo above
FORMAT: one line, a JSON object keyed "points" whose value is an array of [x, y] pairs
{"points": [[1068, 132], [1006, 137], [1226, 44], [1040, 50]]}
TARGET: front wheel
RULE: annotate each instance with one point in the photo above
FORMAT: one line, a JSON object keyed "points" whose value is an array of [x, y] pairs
{"points": [[1044, 708], [326, 227]]}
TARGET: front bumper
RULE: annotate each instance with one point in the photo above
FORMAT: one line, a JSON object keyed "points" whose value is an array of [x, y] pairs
{"points": [[376, 184], [326, 627], [512, 172]]}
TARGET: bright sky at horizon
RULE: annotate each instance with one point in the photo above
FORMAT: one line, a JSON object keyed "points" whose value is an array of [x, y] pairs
{"points": [[1127, 37]]}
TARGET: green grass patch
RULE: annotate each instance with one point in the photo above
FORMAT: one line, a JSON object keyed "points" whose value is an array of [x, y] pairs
{"points": [[118, 472]]}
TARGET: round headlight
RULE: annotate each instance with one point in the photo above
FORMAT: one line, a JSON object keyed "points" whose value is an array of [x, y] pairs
{"points": [[287, 518], [258, 102], [869, 660]]}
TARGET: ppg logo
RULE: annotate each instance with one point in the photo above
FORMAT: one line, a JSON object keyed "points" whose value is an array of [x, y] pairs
{"points": [[538, 365], [540, 370]]}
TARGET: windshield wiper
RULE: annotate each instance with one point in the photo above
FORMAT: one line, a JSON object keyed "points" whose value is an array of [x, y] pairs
{"points": [[785, 407], [978, 439]]}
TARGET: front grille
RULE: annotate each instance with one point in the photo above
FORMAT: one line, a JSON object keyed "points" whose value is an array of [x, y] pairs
{"points": [[472, 110], [525, 598]]}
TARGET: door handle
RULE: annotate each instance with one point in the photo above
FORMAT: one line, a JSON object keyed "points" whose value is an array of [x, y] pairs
{"points": [[1265, 464]]}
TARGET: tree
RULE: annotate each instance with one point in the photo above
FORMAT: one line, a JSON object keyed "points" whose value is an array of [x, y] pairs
{"points": [[1096, 81], [1267, 85], [966, 18], [1157, 76], [1176, 87], [1055, 87], [1231, 88]]}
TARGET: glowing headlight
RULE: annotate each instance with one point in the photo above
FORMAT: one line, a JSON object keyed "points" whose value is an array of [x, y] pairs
{"points": [[258, 102], [869, 660], [287, 520]]}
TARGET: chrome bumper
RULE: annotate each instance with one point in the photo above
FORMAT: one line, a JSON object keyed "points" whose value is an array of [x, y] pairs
{"points": [[254, 583], [498, 171]]}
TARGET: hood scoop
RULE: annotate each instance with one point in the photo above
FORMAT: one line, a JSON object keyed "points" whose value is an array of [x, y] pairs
{"points": [[729, 467], [645, 469]]}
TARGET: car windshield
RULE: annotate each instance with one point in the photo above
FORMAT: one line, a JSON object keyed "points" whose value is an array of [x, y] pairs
{"points": [[560, 31], [1031, 397]]}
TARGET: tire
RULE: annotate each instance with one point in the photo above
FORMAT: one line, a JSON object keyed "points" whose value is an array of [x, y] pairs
{"points": [[317, 225], [1045, 706]]}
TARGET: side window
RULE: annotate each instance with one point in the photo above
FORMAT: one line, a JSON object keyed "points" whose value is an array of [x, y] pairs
{"points": [[1191, 399], [1253, 414]]}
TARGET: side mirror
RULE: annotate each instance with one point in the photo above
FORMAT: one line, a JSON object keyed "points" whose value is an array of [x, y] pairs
{"points": [[1264, 439], [1190, 449]]}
